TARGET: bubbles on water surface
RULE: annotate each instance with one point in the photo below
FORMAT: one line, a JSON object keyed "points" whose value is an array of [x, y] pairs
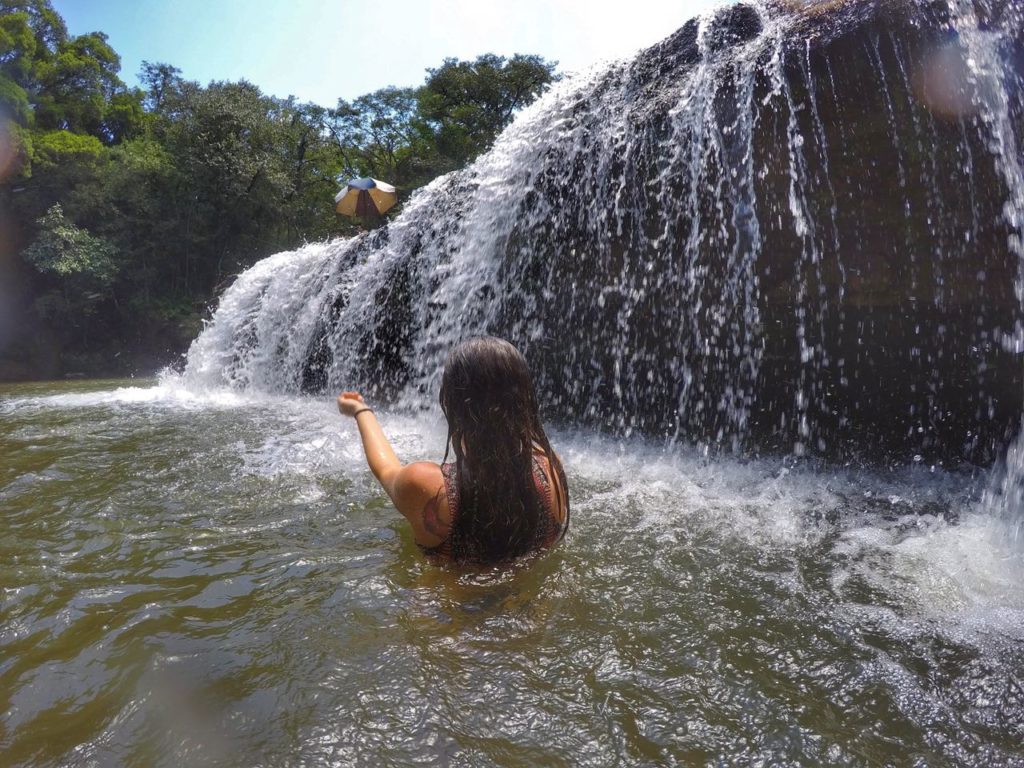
{"points": [[765, 586]]}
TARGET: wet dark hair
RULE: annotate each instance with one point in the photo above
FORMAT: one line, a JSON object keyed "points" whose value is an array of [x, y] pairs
{"points": [[494, 427]]}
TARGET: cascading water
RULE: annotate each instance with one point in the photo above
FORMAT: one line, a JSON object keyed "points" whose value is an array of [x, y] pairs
{"points": [[779, 229]]}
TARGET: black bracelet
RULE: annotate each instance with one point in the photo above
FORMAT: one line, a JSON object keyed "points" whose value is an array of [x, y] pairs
{"points": [[362, 410]]}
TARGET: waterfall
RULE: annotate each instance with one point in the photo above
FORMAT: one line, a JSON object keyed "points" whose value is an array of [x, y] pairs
{"points": [[783, 228], [996, 90]]}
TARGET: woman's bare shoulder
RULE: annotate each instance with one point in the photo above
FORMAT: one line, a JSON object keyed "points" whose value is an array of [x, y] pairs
{"points": [[422, 476], [420, 497]]}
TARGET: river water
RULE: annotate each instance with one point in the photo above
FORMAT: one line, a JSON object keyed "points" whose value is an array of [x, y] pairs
{"points": [[196, 578]]}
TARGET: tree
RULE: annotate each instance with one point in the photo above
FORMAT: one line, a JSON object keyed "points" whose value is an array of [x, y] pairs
{"points": [[164, 88], [81, 267], [47, 26], [76, 85], [133, 202], [60, 161], [71, 253], [140, 203], [17, 52], [313, 163], [124, 116], [225, 142], [382, 135], [470, 102]]}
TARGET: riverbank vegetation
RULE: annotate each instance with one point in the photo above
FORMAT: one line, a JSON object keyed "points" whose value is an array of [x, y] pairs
{"points": [[126, 209]]}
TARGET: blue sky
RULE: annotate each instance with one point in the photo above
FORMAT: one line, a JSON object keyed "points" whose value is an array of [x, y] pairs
{"points": [[320, 50]]}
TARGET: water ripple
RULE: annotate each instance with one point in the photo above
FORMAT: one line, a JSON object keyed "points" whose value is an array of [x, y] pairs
{"points": [[228, 587]]}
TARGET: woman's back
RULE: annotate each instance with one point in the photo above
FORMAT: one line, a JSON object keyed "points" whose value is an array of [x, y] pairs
{"points": [[549, 497], [494, 430]]}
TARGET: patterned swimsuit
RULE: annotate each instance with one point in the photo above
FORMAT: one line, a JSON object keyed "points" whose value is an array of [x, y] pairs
{"points": [[551, 529]]}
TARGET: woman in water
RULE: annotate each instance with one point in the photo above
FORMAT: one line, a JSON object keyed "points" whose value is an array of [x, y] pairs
{"points": [[505, 494]]}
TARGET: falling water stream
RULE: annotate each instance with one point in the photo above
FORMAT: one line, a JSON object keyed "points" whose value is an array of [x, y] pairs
{"points": [[768, 275]]}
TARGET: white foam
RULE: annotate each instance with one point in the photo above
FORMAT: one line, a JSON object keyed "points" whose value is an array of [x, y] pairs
{"points": [[970, 570], [921, 537], [889, 530], [168, 393]]}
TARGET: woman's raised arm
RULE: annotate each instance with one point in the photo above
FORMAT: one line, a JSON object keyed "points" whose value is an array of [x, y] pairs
{"points": [[379, 454], [416, 490]]}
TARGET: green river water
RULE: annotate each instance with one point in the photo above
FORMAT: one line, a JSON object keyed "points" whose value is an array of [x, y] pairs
{"points": [[201, 579]]}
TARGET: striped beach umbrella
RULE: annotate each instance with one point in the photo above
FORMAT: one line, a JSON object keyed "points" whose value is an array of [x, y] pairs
{"points": [[365, 197]]}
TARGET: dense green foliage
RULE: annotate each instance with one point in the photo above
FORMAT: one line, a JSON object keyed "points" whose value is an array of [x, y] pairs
{"points": [[469, 102], [134, 206]]}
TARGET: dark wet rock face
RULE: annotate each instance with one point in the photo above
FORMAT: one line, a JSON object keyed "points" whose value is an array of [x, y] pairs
{"points": [[776, 230], [837, 277], [733, 25], [671, 57]]}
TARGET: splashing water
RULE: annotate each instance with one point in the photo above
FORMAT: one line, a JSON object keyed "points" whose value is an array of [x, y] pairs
{"points": [[766, 233], [778, 232], [213, 578]]}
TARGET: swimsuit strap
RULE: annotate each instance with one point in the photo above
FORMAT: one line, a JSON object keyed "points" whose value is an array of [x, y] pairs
{"points": [[451, 488]]}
